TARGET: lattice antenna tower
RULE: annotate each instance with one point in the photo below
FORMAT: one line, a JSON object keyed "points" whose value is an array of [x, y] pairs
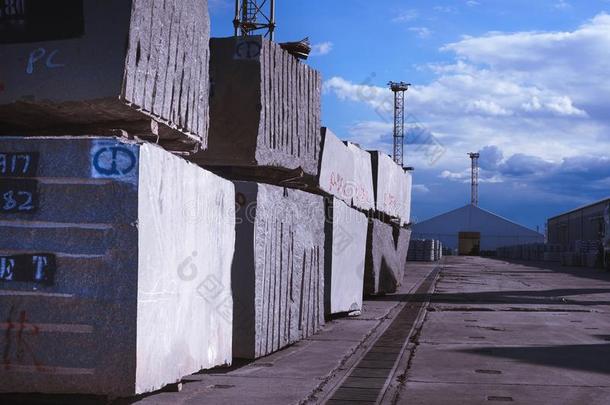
{"points": [[399, 89], [255, 17], [474, 184]]}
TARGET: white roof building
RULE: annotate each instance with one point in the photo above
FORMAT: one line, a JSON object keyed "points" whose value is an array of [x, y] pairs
{"points": [[472, 229]]}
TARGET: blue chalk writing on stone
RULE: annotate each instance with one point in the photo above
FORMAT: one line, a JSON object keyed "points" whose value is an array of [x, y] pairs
{"points": [[35, 56], [114, 161], [38, 54], [50, 63]]}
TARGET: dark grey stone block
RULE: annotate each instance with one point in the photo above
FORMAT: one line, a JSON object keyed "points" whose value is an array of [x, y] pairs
{"points": [[264, 108], [74, 66], [386, 256], [278, 270]]}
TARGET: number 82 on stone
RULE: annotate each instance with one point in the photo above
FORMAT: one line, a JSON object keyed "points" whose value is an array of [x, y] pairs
{"points": [[18, 196]]}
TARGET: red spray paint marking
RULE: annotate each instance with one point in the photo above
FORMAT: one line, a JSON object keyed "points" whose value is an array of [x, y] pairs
{"points": [[22, 346]]}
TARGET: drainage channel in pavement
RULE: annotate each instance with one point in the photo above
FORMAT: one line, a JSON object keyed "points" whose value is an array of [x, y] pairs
{"points": [[369, 378]]}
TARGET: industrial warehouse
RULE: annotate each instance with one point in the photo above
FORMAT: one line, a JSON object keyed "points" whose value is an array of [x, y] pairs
{"points": [[194, 211]]}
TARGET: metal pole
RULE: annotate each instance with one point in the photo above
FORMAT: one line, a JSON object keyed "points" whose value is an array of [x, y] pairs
{"points": [[272, 22], [474, 174], [399, 89], [236, 19]]}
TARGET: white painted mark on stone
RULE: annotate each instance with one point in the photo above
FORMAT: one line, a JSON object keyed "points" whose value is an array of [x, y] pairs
{"points": [[13, 293], [50, 370]]}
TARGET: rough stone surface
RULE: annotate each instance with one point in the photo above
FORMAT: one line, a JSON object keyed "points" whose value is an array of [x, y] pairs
{"points": [[264, 109], [150, 55], [345, 249], [386, 256], [278, 270], [392, 187], [141, 293], [346, 172]]}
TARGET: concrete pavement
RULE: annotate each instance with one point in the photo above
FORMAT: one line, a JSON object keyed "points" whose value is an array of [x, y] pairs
{"points": [[503, 332]]}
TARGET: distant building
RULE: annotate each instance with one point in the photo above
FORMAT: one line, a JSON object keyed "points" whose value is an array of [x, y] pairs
{"points": [[584, 223], [472, 230]]}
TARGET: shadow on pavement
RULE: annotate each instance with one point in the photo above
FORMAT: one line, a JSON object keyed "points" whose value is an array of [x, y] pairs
{"points": [[531, 297], [592, 358], [583, 272]]}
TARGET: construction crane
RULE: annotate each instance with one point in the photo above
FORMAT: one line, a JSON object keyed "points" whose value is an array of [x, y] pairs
{"points": [[474, 184], [255, 17], [399, 89]]}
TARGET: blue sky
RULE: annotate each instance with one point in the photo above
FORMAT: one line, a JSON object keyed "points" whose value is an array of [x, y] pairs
{"points": [[524, 82]]}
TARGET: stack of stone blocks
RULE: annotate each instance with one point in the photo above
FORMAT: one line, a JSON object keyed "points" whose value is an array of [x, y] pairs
{"points": [[174, 263], [115, 254], [425, 250]]}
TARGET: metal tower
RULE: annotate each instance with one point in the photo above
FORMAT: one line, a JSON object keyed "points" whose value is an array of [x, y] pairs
{"points": [[399, 89], [475, 179], [254, 17]]}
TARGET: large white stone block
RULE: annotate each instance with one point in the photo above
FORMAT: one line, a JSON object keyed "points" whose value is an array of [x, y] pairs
{"points": [[115, 260], [346, 172], [392, 186], [278, 271], [345, 250]]}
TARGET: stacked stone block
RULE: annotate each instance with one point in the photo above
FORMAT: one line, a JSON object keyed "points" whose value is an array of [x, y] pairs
{"points": [[264, 109], [392, 186], [345, 248], [425, 250], [96, 66], [278, 268], [386, 257], [346, 172]]}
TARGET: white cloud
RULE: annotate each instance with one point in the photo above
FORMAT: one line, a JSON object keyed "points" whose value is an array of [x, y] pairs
{"points": [[406, 16], [486, 107], [447, 174], [444, 9], [379, 98], [422, 32], [320, 49], [472, 3], [374, 135], [420, 188], [562, 5]]}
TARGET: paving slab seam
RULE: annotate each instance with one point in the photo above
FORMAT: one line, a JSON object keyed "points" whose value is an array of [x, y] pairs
{"points": [[393, 350], [506, 384], [325, 389]]}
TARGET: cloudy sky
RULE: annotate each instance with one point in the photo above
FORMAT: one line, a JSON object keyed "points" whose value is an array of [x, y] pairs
{"points": [[526, 83]]}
